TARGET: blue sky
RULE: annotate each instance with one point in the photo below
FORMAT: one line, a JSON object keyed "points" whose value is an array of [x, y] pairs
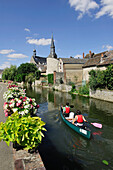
{"points": [[77, 25]]}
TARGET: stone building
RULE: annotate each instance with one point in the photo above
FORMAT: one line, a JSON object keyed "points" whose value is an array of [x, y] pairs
{"points": [[67, 69], [40, 62], [52, 61], [97, 61], [72, 69]]}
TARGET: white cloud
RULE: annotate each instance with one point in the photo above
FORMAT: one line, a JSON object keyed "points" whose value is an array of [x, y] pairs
{"points": [[5, 65], [28, 38], [107, 47], [17, 56], [26, 29], [11, 59], [41, 41], [107, 8], [83, 6], [6, 51], [78, 56]]}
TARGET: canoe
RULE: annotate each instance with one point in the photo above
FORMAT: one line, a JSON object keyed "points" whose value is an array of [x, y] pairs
{"points": [[84, 132]]}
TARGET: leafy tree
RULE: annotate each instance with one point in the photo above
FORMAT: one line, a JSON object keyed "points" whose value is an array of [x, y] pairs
{"points": [[92, 80], [30, 78], [26, 68], [100, 78], [10, 73], [109, 77], [37, 74], [5, 74]]}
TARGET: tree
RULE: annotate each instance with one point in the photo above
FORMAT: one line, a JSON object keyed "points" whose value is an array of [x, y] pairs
{"points": [[37, 74], [109, 77], [9, 73], [24, 69], [30, 78]]}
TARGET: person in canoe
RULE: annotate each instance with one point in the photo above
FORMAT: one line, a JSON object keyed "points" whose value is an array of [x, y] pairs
{"points": [[79, 119], [66, 110]]}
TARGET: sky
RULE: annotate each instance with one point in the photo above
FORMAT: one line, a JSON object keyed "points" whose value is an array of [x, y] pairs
{"points": [[77, 26]]}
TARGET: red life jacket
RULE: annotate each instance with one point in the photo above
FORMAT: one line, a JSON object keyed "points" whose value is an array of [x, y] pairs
{"points": [[67, 109], [80, 119]]}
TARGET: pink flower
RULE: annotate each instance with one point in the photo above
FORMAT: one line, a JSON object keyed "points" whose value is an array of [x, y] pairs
{"points": [[21, 97], [31, 106], [30, 100], [6, 114], [18, 104]]}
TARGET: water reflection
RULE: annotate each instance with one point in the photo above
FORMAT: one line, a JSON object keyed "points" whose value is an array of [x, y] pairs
{"points": [[62, 148]]}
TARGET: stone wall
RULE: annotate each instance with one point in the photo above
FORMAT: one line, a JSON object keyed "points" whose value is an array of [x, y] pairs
{"points": [[74, 72], [63, 88], [59, 75], [102, 95]]}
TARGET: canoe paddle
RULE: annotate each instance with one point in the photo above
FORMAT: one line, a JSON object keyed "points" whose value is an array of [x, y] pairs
{"points": [[98, 125]]}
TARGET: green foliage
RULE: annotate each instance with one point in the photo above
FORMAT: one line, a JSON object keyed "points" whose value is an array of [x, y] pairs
{"points": [[109, 77], [84, 90], [18, 77], [50, 78], [26, 68], [37, 74], [30, 78], [73, 88], [97, 79], [26, 130], [9, 73], [101, 79]]}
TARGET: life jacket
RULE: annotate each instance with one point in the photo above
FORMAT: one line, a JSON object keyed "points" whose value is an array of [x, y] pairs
{"points": [[67, 109], [80, 119]]}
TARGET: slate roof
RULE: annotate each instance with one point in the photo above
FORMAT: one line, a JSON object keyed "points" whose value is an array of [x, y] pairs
{"points": [[73, 61], [95, 60], [107, 59], [41, 60]]}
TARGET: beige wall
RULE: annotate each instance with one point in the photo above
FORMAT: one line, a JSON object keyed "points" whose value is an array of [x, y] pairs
{"points": [[72, 71], [86, 72], [52, 65]]}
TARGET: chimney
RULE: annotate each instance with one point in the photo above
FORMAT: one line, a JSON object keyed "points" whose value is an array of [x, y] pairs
{"points": [[90, 53], [102, 55], [83, 55]]}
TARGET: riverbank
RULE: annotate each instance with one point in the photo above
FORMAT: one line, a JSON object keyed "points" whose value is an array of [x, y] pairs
{"points": [[10, 158]]}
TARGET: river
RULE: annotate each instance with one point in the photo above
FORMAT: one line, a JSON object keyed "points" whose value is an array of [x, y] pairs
{"points": [[64, 149]]}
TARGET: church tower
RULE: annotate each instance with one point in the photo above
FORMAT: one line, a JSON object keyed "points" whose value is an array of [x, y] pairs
{"points": [[34, 53], [52, 49], [52, 61]]}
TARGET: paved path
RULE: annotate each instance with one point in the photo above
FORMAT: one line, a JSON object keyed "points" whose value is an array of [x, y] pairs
{"points": [[6, 153]]}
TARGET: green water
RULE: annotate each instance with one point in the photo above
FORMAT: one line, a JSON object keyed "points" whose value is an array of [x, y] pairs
{"points": [[64, 149]]}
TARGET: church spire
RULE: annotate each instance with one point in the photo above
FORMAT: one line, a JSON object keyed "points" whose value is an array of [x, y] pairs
{"points": [[52, 42], [52, 49]]}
